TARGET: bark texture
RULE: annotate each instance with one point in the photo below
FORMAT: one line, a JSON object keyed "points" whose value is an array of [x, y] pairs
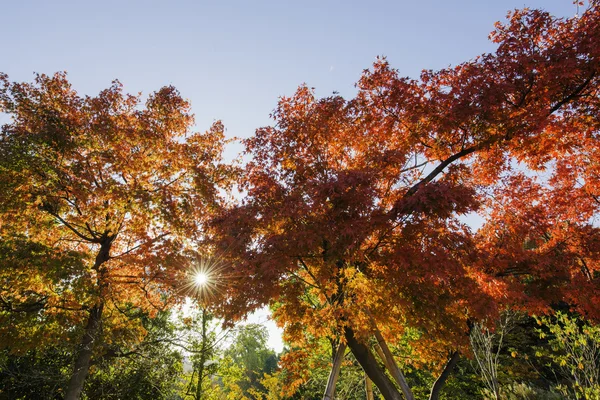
{"points": [[93, 326], [369, 364], [335, 372], [369, 388], [391, 365], [84, 355]]}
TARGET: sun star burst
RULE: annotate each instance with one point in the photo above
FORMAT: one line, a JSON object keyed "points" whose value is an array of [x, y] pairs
{"points": [[205, 279]]}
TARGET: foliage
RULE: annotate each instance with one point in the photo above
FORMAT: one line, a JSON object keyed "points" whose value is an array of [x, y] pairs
{"points": [[156, 374], [352, 226], [117, 190], [201, 338], [250, 352], [353, 218], [487, 345], [147, 369], [235, 372], [522, 391], [305, 371], [229, 376], [575, 352], [273, 386], [150, 369], [464, 383], [34, 374]]}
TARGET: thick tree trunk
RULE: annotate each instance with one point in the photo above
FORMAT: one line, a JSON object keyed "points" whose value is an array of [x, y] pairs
{"points": [[84, 354], [369, 364], [369, 388], [335, 372], [441, 380]]}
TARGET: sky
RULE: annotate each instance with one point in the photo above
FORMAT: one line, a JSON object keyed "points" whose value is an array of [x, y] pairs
{"points": [[234, 59]]}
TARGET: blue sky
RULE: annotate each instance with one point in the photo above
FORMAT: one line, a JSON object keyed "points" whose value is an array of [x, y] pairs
{"points": [[233, 59]]}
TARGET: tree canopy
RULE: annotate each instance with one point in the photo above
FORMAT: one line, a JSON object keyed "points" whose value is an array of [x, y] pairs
{"points": [[353, 220], [354, 216], [102, 201]]}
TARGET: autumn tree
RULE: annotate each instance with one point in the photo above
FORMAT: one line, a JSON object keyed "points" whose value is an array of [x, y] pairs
{"points": [[307, 368], [354, 219], [101, 199]]}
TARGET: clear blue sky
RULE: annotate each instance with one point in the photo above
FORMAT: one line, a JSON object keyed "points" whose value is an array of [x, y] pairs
{"points": [[233, 59]]}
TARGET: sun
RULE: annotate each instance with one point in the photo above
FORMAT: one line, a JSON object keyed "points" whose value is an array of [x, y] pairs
{"points": [[205, 278], [201, 279]]}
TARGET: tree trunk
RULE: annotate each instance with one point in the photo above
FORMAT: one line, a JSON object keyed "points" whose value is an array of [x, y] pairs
{"points": [[369, 388], [84, 354], [441, 380], [388, 359], [369, 364], [92, 329], [391, 365], [203, 355], [335, 372]]}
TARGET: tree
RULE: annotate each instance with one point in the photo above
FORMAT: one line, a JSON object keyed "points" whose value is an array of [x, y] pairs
{"points": [[487, 346], [305, 371], [202, 341], [148, 369], [353, 214], [34, 374], [249, 350], [101, 201], [575, 352]]}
